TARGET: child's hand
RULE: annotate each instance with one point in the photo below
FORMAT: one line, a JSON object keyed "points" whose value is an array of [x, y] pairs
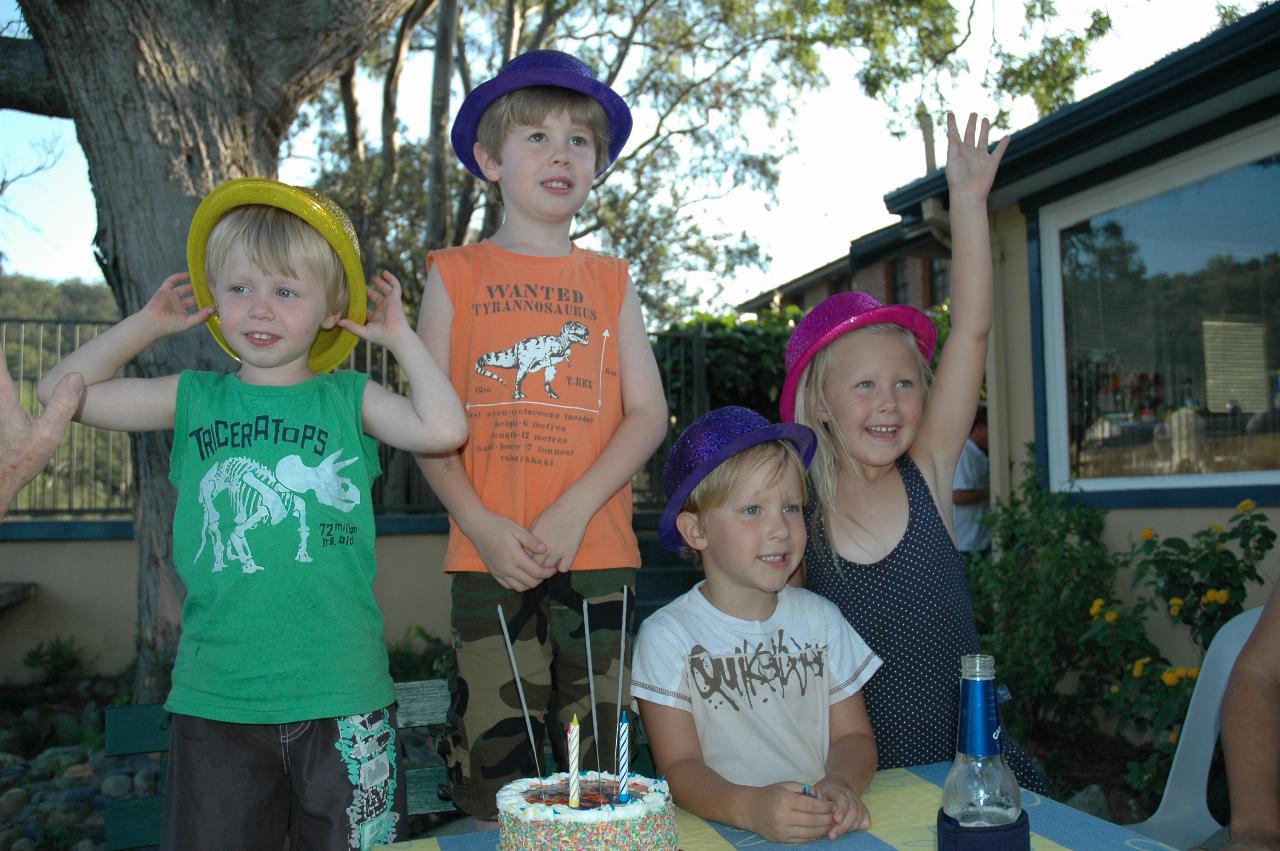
{"points": [[387, 320], [784, 813], [169, 310], [505, 547], [562, 528], [850, 814], [971, 169]]}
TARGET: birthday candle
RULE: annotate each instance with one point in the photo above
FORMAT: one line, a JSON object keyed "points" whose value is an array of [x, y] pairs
{"points": [[624, 758], [573, 763]]}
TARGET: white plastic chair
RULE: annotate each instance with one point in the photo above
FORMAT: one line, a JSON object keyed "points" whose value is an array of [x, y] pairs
{"points": [[1183, 819]]}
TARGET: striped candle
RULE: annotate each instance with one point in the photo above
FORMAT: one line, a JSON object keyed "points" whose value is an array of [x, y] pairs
{"points": [[624, 758], [574, 780]]}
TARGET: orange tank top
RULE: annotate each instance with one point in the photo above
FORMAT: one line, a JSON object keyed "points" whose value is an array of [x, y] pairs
{"points": [[533, 356]]}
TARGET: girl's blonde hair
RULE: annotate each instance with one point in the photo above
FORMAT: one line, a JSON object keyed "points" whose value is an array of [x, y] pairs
{"points": [[779, 457], [277, 242], [832, 450], [531, 106]]}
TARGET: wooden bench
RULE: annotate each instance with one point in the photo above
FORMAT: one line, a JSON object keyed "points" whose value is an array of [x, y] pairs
{"points": [[144, 728]]}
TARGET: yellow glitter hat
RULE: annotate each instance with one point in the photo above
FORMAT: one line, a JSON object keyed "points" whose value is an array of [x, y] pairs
{"points": [[332, 345]]}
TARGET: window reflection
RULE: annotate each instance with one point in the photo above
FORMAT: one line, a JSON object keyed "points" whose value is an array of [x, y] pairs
{"points": [[1172, 319]]}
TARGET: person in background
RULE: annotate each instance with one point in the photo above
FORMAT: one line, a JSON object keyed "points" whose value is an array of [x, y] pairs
{"points": [[27, 443], [971, 491]]}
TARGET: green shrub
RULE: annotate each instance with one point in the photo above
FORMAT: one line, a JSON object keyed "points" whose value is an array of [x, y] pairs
{"points": [[409, 661], [57, 660], [1031, 601]]}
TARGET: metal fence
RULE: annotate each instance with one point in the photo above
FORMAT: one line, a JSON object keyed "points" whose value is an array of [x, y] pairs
{"points": [[92, 476]]}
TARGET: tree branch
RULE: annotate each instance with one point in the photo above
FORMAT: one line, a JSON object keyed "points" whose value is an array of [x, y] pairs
{"points": [[27, 83]]}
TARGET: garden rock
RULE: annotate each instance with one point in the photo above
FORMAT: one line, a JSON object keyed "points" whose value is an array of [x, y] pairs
{"points": [[1092, 800], [12, 801], [117, 786]]}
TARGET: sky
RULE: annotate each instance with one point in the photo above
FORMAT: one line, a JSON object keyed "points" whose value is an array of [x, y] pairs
{"points": [[831, 189]]}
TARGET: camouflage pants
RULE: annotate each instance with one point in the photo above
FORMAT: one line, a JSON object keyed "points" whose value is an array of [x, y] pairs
{"points": [[489, 746]]}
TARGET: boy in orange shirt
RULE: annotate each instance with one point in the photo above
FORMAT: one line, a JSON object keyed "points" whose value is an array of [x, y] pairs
{"points": [[546, 346]]}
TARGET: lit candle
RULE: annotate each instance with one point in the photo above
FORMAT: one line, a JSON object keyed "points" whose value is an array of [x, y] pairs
{"points": [[624, 758], [573, 763]]}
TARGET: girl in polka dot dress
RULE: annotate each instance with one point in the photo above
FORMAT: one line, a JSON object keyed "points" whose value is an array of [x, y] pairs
{"points": [[880, 540]]}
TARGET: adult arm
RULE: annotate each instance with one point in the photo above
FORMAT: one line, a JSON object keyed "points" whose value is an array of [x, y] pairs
{"points": [[27, 443], [1251, 735]]}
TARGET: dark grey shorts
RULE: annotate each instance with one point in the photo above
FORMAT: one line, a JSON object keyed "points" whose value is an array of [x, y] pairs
{"points": [[331, 783]]}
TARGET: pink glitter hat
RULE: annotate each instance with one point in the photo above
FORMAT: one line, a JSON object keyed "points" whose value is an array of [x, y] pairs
{"points": [[837, 316]]}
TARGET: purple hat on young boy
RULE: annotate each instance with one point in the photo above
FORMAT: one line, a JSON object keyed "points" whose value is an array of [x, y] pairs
{"points": [[538, 68], [837, 316], [708, 442]]}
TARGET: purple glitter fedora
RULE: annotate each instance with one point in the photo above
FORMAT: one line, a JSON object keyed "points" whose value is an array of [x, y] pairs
{"points": [[837, 316], [708, 442], [538, 68]]}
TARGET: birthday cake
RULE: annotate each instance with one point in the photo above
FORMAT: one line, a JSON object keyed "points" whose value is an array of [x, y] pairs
{"points": [[535, 814]]}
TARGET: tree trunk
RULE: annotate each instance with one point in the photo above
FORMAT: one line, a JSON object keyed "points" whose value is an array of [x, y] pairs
{"points": [[169, 100]]}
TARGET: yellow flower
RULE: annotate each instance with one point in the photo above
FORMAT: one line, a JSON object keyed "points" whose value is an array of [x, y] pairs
{"points": [[1245, 506], [1148, 533], [1224, 596], [1098, 603], [1180, 672], [1193, 672], [1173, 738], [1111, 617], [1169, 678], [1139, 665], [1176, 601], [1115, 689], [1174, 611], [1210, 596], [1216, 528]]}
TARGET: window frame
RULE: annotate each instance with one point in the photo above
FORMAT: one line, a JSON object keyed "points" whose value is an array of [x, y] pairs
{"points": [[1215, 157]]}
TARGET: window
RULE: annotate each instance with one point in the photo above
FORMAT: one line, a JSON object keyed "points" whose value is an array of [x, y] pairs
{"points": [[901, 287], [1162, 323], [940, 279]]}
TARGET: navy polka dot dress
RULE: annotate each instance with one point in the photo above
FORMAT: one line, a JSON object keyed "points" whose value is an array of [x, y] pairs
{"points": [[912, 608]]}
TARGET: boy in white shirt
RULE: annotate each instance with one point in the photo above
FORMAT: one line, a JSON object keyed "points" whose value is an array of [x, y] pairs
{"points": [[749, 687]]}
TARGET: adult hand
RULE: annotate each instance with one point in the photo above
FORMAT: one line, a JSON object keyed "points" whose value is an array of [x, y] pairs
{"points": [[27, 443]]}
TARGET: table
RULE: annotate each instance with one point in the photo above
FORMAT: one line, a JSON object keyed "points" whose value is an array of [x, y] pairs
{"points": [[904, 806]]}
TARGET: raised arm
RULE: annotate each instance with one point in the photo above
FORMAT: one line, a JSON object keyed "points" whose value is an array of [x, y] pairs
{"points": [[431, 420], [130, 404], [27, 443], [780, 812], [971, 170], [1251, 735], [644, 424], [503, 544]]}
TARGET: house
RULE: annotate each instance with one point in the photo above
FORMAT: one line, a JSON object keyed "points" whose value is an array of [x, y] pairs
{"points": [[901, 263], [1136, 337]]}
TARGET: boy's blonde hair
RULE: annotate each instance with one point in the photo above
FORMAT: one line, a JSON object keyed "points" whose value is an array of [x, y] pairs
{"points": [[531, 106], [832, 449], [277, 242], [718, 487]]}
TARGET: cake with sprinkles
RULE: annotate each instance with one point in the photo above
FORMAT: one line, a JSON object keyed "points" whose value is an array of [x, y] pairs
{"points": [[535, 814]]}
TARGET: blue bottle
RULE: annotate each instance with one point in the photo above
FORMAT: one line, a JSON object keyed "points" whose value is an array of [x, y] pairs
{"points": [[980, 790]]}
